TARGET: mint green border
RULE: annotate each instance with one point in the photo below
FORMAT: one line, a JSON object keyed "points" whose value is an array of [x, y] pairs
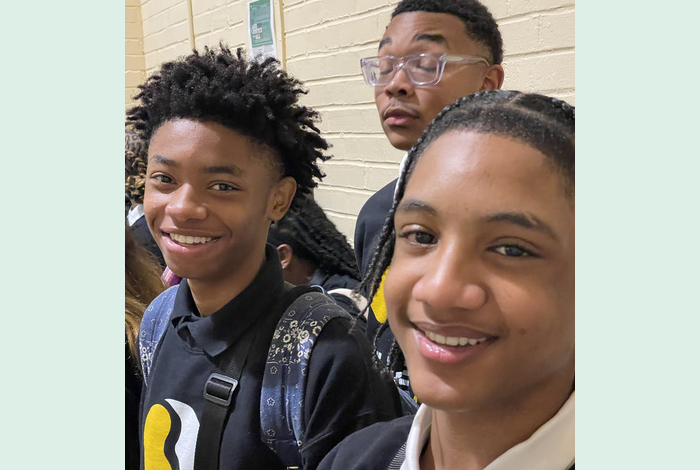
{"points": [[63, 110], [638, 309]]}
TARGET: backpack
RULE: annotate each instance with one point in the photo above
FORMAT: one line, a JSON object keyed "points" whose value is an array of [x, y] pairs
{"points": [[284, 378]]}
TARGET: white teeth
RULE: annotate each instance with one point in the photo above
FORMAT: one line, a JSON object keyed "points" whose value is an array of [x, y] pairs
{"points": [[453, 340], [189, 240]]}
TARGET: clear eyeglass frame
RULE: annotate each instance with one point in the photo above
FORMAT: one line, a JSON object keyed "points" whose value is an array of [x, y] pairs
{"points": [[373, 75]]}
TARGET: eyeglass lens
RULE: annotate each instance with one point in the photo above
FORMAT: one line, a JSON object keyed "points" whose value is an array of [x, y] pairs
{"points": [[420, 69]]}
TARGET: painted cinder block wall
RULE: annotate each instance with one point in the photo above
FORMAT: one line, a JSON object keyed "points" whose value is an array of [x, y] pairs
{"points": [[321, 43], [134, 63]]}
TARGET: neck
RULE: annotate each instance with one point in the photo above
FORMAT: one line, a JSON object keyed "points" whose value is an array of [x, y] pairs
{"points": [[472, 439], [211, 295]]}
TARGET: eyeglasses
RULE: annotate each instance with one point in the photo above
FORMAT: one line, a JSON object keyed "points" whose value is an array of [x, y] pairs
{"points": [[422, 69]]}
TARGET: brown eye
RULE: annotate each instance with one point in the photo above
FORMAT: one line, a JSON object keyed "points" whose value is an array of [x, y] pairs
{"points": [[223, 187], [162, 179], [419, 237], [512, 251]]}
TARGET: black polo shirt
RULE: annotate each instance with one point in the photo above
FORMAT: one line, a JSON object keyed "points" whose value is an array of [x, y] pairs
{"points": [[344, 392]]}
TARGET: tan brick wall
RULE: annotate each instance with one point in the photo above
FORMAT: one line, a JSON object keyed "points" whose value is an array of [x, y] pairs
{"points": [[321, 42], [134, 63]]}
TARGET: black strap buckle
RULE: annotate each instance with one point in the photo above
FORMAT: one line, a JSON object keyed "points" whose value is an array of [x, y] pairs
{"points": [[219, 389]]}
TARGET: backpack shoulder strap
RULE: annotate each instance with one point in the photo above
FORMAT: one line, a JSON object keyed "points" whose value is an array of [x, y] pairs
{"points": [[153, 325], [284, 379]]}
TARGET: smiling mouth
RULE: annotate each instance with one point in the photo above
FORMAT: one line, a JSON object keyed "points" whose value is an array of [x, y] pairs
{"points": [[188, 240], [453, 340]]}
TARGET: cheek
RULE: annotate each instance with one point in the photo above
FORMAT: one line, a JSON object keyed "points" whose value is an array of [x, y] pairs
{"points": [[150, 203], [378, 95], [539, 317], [398, 288]]}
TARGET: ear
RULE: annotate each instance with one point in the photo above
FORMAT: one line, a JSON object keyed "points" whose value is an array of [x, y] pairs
{"points": [[281, 197], [285, 252], [493, 80]]}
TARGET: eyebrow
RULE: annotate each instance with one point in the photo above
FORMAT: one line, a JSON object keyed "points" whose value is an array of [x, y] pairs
{"points": [[228, 169], [163, 160], [413, 205], [527, 221], [211, 170], [520, 219], [436, 38]]}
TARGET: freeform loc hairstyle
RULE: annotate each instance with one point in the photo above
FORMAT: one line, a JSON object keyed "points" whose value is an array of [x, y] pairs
{"points": [[313, 237], [478, 21], [546, 124], [256, 99], [136, 159]]}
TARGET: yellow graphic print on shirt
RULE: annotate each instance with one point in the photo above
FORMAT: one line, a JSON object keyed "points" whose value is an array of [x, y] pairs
{"points": [[378, 304], [175, 423]]}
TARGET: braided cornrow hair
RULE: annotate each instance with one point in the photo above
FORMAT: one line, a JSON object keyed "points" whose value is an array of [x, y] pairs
{"points": [[547, 124], [313, 237], [254, 98], [136, 159]]}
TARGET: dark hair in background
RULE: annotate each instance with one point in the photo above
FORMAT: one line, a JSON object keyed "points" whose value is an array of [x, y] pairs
{"points": [[478, 21], [544, 123], [313, 237], [136, 158], [256, 99]]}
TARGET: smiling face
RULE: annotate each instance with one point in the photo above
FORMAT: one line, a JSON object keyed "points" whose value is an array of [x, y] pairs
{"points": [[210, 196], [405, 110], [480, 294]]}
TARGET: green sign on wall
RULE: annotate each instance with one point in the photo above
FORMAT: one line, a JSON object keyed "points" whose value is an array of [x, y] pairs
{"points": [[261, 28]]}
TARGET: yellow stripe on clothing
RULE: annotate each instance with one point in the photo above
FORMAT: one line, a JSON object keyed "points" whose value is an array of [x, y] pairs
{"points": [[378, 303]]}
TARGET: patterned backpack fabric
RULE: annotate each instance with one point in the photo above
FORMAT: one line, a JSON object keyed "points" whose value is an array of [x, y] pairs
{"points": [[284, 379], [153, 325]]}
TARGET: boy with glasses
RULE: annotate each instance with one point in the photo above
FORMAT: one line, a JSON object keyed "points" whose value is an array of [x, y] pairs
{"points": [[433, 52]]}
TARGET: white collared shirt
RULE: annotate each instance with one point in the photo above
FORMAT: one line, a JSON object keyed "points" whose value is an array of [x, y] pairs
{"points": [[551, 447], [135, 213]]}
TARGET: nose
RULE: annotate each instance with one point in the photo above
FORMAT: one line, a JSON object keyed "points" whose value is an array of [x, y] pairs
{"points": [[451, 281], [184, 204], [400, 83]]}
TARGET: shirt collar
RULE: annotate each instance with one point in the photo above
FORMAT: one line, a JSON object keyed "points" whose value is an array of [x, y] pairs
{"points": [[551, 447], [318, 278], [135, 213], [216, 332]]}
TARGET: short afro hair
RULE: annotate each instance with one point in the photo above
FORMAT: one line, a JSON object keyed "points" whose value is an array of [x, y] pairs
{"points": [[254, 98], [478, 21]]}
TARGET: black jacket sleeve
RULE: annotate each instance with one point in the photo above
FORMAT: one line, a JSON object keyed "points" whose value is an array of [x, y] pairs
{"points": [[344, 391], [372, 448]]}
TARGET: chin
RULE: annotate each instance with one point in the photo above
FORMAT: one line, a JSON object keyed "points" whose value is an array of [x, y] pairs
{"points": [[436, 393], [445, 400], [400, 141]]}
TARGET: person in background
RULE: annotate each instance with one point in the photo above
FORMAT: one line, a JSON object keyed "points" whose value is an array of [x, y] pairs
{"points": [[480, 292], [432, 52], [313, 251], [142, 285], [136, 157]]}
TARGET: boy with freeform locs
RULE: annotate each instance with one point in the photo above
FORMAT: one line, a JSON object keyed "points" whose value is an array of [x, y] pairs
{"points": [[228, 147]]}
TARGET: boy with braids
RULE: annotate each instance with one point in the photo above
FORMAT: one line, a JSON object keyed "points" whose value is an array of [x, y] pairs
{"points": [[480, 293], [228, 147], [313, 251], [432, 52]]}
